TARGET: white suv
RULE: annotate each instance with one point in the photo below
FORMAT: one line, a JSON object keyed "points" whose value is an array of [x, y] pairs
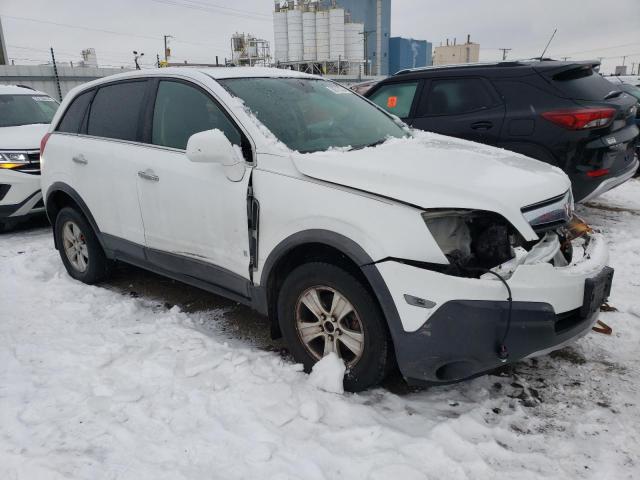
{"points": [[24, 118], [356, 235]]}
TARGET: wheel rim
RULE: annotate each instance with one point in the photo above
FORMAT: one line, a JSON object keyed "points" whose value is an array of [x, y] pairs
{"points": [[75, 246], [327, 322]]}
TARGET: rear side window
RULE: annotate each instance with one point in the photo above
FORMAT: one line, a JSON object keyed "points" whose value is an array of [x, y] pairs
{"points": [[456, 96], [396, 98], [583, 84], [181, 110], [72, 119], [115, 111]]}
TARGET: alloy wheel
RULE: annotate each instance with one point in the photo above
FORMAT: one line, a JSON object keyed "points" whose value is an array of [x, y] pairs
{"points": [[75, 246], [327, 322]]}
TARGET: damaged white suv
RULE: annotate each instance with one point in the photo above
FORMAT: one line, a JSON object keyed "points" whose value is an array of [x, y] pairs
{"points": [[355, 235]]}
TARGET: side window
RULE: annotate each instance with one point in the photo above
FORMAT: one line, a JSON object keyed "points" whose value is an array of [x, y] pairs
{"points": [[456, 96], [115, 111], [181, 110], [396, 98], [72, 119]]}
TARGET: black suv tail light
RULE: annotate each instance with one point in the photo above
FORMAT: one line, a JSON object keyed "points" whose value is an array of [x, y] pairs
{"points": [[581, 118]]}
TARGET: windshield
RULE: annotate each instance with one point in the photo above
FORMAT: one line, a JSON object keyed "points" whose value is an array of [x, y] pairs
{"points": [[26, 109], [310, 115]]}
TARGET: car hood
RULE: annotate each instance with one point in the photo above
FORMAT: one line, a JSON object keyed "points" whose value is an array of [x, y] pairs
{"points": [[435, 171], [22, 137]]}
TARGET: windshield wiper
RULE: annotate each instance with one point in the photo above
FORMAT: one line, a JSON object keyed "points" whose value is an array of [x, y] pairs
{"points": [[613, 94], [374, 144]]}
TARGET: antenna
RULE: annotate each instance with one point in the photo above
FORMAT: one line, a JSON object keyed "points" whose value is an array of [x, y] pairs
{"points": [[548, 43]]}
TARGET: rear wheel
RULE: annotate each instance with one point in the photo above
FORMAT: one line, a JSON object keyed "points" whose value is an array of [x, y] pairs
{"points": [[80, 250], [324, 309]]}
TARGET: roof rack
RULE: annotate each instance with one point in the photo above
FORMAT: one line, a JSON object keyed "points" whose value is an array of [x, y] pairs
{"points": [[510, 63]]}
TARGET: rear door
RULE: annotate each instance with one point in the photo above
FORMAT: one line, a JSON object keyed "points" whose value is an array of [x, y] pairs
{"points": [[106, 158], [466, 107]]}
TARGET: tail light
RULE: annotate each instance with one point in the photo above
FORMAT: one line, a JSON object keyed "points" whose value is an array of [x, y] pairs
{"points": [[43, 143], [581, 118], [598, 173]]}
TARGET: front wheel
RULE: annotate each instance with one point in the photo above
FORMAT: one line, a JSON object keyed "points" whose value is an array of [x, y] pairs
{"points": [[80, 250], [324, 309]]}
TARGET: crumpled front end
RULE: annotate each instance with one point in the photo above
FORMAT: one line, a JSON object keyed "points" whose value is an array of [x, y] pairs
{"points": [[501, 298]]}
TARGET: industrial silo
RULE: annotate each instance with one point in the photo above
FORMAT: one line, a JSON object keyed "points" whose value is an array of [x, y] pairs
{"points": [[280, 34], [294, 32], [354, 42], [322, 35], [309, 34], [336, 34]]}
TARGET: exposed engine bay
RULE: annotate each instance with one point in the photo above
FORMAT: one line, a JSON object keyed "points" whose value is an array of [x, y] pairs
{"points": [[475, 242]]}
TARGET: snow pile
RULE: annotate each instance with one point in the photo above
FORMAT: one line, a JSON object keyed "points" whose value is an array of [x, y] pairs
{"points": [[328, 374], [95, 384]]}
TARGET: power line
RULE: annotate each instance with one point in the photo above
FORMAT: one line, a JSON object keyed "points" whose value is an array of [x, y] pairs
{"points": [[111, 32], [205, 7]]}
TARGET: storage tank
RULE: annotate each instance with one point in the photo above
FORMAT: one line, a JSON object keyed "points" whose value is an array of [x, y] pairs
{"points": [[294, 32], [281, 36], [322, 35], [309, 36], [354, 41], [336, 34]]}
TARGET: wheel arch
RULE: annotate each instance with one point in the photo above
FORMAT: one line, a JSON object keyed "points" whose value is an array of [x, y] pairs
{"points": [[330, 247], [61, 195]]}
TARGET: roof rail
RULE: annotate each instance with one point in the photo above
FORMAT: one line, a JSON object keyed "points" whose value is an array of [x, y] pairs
{"points": [[26, 86], [510, 63]]}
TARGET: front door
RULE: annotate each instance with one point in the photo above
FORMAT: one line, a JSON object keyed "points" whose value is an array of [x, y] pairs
{"points": [[195, 218]]}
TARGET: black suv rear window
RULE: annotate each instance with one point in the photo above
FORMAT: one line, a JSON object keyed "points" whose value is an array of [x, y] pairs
{"points": [[582, 83], [115, 111]]}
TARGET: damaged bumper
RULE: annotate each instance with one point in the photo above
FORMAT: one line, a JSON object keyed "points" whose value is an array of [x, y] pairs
{"points": [[451, 326]]}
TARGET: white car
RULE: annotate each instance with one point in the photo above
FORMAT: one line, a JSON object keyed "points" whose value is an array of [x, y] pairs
{"points": [[357, 236], [24, 119]]}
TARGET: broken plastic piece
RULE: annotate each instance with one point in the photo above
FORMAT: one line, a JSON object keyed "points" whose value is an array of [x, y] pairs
{"points": [[602, 328]]}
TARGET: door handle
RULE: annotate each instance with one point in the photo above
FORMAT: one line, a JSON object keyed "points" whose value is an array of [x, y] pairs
{"points": [[482, 125], [148, 175], [79, 159]]}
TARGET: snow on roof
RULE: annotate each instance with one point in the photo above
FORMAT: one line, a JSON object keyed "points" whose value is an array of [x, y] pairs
{"points": [[18, 90]]}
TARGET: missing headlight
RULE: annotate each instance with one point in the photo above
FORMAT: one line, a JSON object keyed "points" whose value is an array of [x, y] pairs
{"points": [[472, 240]]}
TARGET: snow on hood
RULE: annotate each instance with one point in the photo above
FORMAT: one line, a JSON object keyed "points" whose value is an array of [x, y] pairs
{"points": [[435, 171], [22, 137]]}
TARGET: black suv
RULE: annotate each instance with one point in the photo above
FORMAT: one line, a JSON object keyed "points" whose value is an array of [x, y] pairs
{"points": [[562, 113]]}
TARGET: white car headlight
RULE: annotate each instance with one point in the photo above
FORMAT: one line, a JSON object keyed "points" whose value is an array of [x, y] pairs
{"points": [[14, 157]]}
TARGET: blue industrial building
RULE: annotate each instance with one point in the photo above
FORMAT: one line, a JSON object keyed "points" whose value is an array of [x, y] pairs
{"points": [[408, 53], [376, 16]]}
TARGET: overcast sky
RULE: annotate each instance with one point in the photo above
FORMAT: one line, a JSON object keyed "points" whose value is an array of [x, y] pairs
{"points": [[202, 28]]}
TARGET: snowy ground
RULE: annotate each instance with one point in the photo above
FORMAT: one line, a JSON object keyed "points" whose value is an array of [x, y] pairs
{"points": [[98, 384]]}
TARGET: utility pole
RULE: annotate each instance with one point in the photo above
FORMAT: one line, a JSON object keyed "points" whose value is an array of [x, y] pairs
{"points": [[55, 74], [157, 60], [564, 59], [167, 51], [3, 47], [366, 34], [504, 53], [624, 58]]}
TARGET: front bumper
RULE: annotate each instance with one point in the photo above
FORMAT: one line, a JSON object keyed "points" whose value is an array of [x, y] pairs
{"points": [[458, 336], [20, 195]]}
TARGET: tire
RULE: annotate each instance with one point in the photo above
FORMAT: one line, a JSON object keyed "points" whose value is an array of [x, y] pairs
{"points": [[364, 370], [80, 247]]}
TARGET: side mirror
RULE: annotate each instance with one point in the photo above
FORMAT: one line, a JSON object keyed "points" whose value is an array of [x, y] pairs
{"points": [[211, 146]]}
